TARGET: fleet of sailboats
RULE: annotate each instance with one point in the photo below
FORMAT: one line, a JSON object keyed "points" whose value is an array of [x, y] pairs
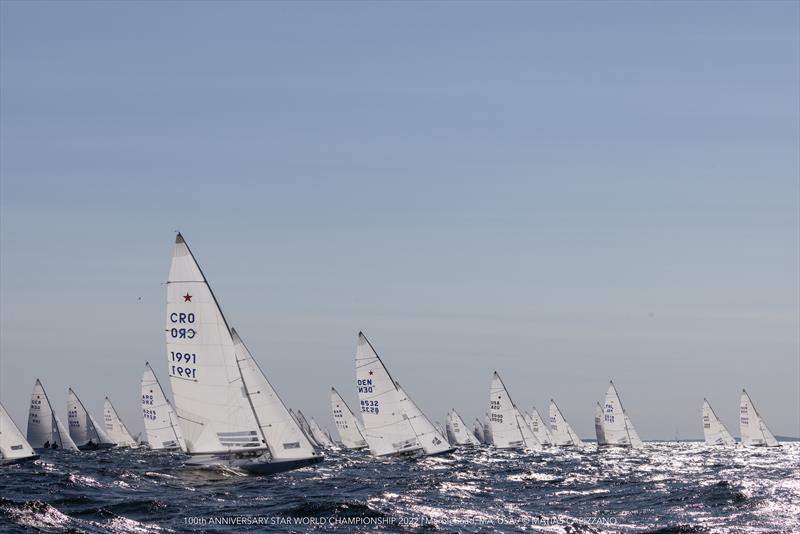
{"points": [[226, 412]]}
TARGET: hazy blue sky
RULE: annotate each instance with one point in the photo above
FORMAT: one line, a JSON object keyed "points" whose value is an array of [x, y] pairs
{"points": [[564, 192]]}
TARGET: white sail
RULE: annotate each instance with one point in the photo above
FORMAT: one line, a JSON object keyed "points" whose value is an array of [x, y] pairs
{"points": [[754, 431], [115, 428], [561, 432], [305, 430], [509, 429], [160, 420], [83, 429], [386, 428], [351, 431], [429, 436], [13, 446], [477, 431], [714, 431], [617, 427], [284, 437], [598, 426], [487, 430], [457, 431], [320, 435], [45, 429], [540, 429], [210, 396]]}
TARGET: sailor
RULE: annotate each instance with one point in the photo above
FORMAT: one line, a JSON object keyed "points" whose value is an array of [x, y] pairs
{"points": [[54, 446], [47, 444], [91, 444]]}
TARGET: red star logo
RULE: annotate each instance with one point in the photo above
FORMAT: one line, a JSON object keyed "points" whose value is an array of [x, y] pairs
{"points": [[187, 298], [370, 373]]}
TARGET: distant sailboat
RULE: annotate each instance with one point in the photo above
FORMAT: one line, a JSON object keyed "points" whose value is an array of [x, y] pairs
{"points": [[13, 446], [598, 426], [45, 429], [387, 411], [561, 432], [428, 435], [305, 429], [457, 431], [617, 426], [753, 429], [160, 420], [115, 428], [540, 429], [83, 429], [321, 436], [714, 431], [351, 431], [477, 430], [487, 430], [225, 405], [508, 425]]}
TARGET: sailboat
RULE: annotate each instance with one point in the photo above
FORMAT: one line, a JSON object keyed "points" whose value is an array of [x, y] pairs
{"points": [[115, 428], [598, 426], [228, 412], [351, 431], [14, 447], [753, 429], [509, 428], [540, 429], [477, 431], [45, 429], [457, 431], [302, 424], [617, 426], [160, 420], [561, 432], [487, 430], [393, 424], [306, 426], [714, 431], [321, 436], [83, 429]]}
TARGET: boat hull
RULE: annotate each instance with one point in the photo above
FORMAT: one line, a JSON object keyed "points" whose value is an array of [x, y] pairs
{"points": [[257, 464], [4, 461], [96, 447]]}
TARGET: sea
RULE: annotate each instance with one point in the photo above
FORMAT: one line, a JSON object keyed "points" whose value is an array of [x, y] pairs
{"points": [[664, 488]]}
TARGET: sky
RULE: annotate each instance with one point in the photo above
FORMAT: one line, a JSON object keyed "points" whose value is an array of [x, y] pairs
{"points": [[566, 193]]}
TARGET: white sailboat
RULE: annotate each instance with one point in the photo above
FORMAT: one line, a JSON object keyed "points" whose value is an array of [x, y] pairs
{"points": [[224, 403], [45, 429], [487, 430], [115, 428], [160, 420], [83, 429], [477, 431], [560, 430], [429, 436], [540, 429], [753, 429], [351, 431], [598, 426], [305, 429], [617, 426], [457, 431], [321, 436], [714, 431], [508, 426], [386, 427], [13, 446]]}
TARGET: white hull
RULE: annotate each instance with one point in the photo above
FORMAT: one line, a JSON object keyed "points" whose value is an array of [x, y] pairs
{"points": [[255, 462]]}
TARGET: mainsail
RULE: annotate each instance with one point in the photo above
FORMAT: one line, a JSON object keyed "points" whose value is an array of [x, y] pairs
{"points": [[508, 426], [13, 446], [429, 436], [386, 427], [714, 431], [283, 436], [598, 426], [487, 430], [160, 421], [220, 394], [83, 429], [350, 429], [754, 431], [457, 431], [115, 428], [617, 427], [562, 433], [321, 436], [477, 430], [540, 429], [45, 429]]}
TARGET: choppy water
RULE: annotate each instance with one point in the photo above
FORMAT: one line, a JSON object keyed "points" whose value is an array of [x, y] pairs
{"points": [[666, 487]]}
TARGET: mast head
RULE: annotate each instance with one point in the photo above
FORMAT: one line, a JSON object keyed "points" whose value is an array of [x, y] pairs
{"points": [[179, 239]]}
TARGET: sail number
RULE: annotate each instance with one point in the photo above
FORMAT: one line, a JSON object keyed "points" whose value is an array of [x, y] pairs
{"points": [[149, 414], [183, 372], [370, 406], [182, 318]]}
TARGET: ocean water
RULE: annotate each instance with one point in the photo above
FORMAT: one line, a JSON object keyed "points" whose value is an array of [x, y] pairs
{"points": [[666, 487]]}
